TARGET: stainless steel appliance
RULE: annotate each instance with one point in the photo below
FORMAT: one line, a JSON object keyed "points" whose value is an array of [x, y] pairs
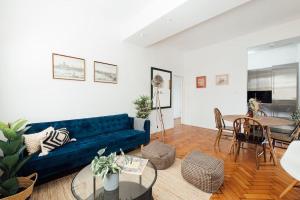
{"points": [[282, 80]]}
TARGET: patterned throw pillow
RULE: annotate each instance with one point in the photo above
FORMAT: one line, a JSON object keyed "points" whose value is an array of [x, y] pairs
{"points": [[33, 141], [54, 139]]}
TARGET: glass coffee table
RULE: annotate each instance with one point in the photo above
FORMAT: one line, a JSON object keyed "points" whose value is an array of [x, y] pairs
{"points": [[138, 187]]}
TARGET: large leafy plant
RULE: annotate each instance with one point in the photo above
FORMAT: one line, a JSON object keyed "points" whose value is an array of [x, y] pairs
{"points": [[105, 165], [11, 158], [143, 106]]}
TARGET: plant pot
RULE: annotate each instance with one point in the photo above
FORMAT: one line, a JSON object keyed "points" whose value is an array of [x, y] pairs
{"points": [[26, 185], [111, 182], [250, 114]]}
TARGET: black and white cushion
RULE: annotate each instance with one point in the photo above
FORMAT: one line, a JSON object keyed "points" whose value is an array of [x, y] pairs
{"points": [[54, 139]]}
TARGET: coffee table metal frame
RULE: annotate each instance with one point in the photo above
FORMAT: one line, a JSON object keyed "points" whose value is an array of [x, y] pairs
{"points": [[94, 182]]}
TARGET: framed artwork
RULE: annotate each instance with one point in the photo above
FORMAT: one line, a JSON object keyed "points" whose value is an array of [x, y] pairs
{"points": [[68, 67], [222, 79], [105, 72], [161, 94], [201, 82]]}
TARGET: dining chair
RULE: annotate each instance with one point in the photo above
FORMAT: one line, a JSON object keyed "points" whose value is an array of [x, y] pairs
{"points": [[291, 164], [285, 138], [261, 113], [220, 125], [248, 130]]}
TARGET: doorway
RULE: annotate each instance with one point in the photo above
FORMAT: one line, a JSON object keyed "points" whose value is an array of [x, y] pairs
{"points": [[177, 98]]}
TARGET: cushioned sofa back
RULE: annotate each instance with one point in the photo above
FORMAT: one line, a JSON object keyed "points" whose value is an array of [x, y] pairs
{"points": [[81, 128]]}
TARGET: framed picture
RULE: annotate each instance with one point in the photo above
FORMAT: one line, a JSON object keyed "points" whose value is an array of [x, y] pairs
{"points": [[201, 82], [161, 88], [68, 67], [222, 79], [105, 72]]}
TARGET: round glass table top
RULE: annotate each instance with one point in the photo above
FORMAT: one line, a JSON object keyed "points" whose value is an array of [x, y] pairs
{"points": [[130, 186]]}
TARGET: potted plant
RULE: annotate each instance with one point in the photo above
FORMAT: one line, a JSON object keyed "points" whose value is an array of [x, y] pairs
{"points": [[253, 107], [296, 116], [143, 106], [107, 168], [11, 161]]}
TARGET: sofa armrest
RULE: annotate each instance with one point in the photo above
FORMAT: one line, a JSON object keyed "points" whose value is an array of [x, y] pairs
{"points": [[147, 131], [131, 122], [146, 128]]}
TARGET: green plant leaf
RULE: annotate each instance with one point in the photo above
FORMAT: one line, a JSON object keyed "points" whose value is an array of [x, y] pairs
{"points": [[19, 166], [9, 133], [3, 125], [11, 147], [5, 147], [4, 192], [101, 151], [10, 161], [19, 125], [3, 167], [21, 132], [11, 185]]}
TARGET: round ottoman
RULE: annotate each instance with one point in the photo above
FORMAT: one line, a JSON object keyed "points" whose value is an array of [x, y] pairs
{"points": [[203, 171], [160, 154]]}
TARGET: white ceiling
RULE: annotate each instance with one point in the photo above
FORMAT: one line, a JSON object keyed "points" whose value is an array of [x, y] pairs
{"points": [[277, 44], [166, 18], [119, 11], [250, 17]]}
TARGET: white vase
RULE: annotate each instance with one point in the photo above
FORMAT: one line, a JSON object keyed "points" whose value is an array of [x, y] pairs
{"points": [[111, 182]]}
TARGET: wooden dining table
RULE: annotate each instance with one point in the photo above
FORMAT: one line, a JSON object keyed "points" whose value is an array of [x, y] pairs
{"points": [[266, 122]]}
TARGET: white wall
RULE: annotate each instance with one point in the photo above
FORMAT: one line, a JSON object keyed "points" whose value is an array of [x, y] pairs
{"points": [[298, 46], [177, 96], [32, 30], [273, 57], [226, 57]]}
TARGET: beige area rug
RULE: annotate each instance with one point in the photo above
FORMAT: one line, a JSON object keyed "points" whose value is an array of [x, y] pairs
{"points": [[171, 186]]}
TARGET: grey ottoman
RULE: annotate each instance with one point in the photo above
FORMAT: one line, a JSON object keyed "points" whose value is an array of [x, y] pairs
{"points": [[160, 154], [203, 171]]}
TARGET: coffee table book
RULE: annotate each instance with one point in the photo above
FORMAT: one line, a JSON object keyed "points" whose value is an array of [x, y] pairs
{"points": [[132, 164]]}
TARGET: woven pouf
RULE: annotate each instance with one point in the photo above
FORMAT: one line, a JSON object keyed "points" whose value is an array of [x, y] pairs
{"points": [[203, 171], [160, 154]]}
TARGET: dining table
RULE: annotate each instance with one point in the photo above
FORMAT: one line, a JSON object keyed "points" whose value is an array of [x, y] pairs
{"points": [[267, 123]]}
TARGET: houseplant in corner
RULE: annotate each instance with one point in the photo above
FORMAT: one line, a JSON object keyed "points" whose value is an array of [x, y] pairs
{"points": [[253, 107], [296, 116], [107, 168], [143, 106], [11, 161]]}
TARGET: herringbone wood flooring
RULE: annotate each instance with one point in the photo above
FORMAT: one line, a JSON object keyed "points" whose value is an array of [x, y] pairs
{"points": [[242, 180]]}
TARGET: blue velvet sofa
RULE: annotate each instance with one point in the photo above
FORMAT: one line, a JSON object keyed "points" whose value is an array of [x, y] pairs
{"points": [[113, 132]]}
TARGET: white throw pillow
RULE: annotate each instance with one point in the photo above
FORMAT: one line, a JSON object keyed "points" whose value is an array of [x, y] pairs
{"points": [[33, 141], [138, 124]]}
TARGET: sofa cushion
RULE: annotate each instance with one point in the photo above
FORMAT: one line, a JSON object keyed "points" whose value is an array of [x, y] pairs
{"points": [[87, 127], [92, 143]]}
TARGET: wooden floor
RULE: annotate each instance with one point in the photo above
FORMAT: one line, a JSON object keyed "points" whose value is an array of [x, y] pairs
{"points": [[242, 180]]}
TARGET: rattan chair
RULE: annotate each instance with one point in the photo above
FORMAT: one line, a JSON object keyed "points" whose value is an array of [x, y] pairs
{"points": [[284, 138], [248, 130], [220, 125]]}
